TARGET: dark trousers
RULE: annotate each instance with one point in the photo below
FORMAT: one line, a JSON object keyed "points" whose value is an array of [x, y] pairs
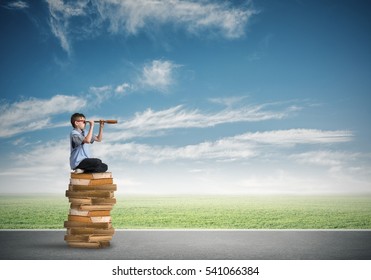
{"points": [[92, 165]]}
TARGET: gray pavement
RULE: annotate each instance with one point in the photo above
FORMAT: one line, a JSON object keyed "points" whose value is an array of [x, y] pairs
{"points": [[193, 245]]}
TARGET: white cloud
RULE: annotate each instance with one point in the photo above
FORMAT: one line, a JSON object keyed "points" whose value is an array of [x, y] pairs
{"points": [[158, 75], [42, 168], [123, 88], [239, 147], [246, 163], [99, 94], [132, 16], [60, 16], [129, 17], [219, 150], [60, 32], [298, 136], [40, 155], [16, 5], [338, 163], [228, 101], [325, 158], [230, 165], [35, 114], [148, 122]]}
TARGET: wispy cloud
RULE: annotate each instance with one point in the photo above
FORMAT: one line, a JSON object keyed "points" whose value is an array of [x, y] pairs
{"points": [[149, 121], [16, 5], [129, 17], [337, 162], [35, 114], [61, 14], [228, 101], [157, 75], [123, 88], [243, 146], [267, 161], [219, 150], [324, 158], [298, 136], [97, 95], [193, 172], [194, 16]]}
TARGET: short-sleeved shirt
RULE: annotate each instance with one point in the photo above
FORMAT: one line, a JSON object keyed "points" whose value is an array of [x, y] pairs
{"points": [[79, 150]]}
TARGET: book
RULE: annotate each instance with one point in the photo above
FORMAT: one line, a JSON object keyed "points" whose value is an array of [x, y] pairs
{"points": [[86, 219], [95, 207], [89, 213], [91, 182], [74, 224], [89, 194], [93, 202], [89, 231], [108, 187], [82, 201], [87, 238], [99, 238], [92, 245], [99, 201], [76, 238], [91, 175]]}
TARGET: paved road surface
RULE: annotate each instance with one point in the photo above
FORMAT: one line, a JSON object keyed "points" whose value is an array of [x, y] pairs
{"points": [[193, 245]]}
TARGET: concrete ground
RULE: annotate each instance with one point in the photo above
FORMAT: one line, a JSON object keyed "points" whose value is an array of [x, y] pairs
{"points": [[194, 245]]}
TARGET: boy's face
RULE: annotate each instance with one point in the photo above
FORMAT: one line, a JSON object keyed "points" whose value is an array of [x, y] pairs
{"points": [[80, 123]]}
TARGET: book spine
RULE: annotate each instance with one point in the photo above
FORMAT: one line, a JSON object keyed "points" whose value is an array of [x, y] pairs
{"points": [[91, 175], [91, 182], [109, 187], [87, 219], [89, 194]]}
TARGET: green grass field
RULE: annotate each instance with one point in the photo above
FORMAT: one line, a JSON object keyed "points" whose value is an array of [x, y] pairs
{"points": [[199, 212]]}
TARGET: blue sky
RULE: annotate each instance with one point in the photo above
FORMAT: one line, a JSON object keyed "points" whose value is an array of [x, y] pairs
{"points": [[212, 97]]}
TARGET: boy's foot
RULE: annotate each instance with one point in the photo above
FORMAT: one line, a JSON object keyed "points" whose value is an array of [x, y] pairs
{"points": [[78, 171]]}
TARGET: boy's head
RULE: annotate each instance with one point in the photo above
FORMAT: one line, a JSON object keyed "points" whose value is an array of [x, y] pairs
{"points": [[77, 117]]}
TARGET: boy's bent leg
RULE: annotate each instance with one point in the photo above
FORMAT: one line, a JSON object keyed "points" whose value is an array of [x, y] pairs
{"points": [[92, 165], [102, 168]]}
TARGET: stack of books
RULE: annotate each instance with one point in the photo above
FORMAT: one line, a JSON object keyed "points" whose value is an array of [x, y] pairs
{"points": [[92, 198]]}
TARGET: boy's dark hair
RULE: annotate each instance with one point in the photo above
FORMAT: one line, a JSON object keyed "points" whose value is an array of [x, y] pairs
{"points": [[76, 117]]}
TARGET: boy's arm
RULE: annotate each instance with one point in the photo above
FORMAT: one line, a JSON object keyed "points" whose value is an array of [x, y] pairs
{"points": [[99, 137], [88, 137]]}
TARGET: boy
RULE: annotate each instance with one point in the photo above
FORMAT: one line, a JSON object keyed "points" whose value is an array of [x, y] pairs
{"points": [[80, 160]]}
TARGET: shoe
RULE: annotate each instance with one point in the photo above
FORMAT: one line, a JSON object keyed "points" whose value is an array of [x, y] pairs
{"points": [[78, 171]]}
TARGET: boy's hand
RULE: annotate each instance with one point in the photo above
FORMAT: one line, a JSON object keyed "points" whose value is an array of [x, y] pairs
{"points": [[91, 123], [101, 123]]}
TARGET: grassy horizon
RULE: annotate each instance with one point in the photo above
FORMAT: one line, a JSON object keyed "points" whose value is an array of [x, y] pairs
{"points": [[199, 212]]}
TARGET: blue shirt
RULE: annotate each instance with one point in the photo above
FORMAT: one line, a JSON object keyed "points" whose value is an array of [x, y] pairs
{"points": [[79, 150]]}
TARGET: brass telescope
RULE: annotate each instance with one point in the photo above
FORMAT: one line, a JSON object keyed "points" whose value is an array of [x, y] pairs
{"points": [[107, 121]]}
